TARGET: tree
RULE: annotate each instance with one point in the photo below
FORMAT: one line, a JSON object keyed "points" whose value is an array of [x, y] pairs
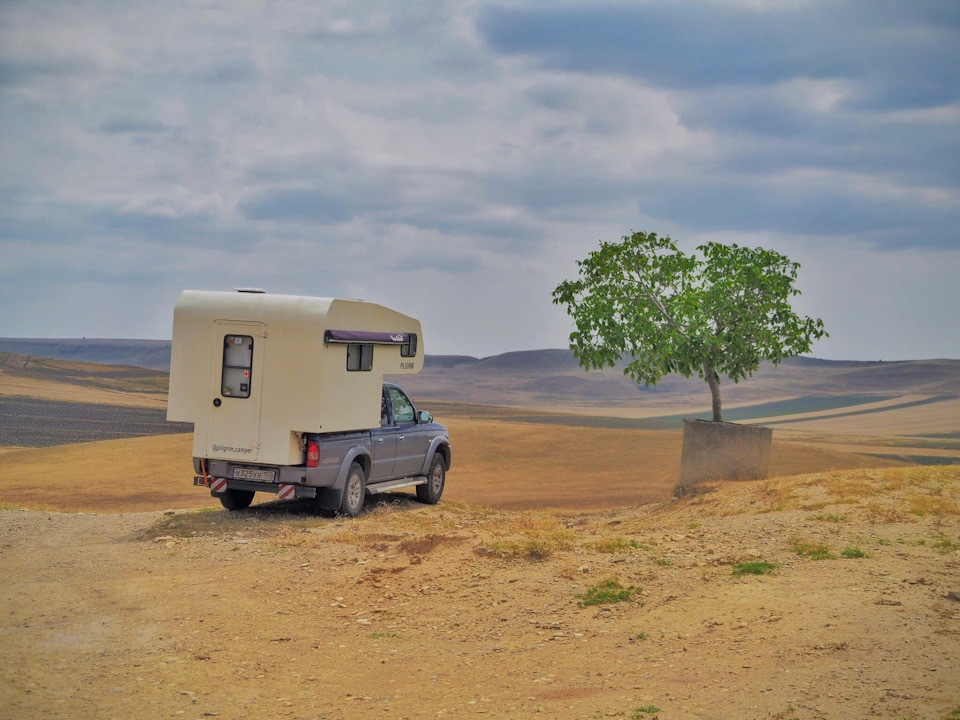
{"points": [[644, 301]]}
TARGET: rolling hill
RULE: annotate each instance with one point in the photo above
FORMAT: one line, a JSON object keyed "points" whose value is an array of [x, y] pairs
{"points": [[553, 378], [894, 410]]}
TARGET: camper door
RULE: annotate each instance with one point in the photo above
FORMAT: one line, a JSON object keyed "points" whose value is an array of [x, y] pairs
{"points": [[234, 425]]}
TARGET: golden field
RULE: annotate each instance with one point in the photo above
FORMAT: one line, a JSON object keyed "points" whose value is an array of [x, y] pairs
{"points": [[558, 578], [542, 460]]}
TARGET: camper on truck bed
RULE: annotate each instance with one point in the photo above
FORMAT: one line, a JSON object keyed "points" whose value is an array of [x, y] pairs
{"points": [[286, 395]]}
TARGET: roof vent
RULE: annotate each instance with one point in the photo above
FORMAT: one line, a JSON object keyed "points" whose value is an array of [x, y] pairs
{"points": [[260, 291]]}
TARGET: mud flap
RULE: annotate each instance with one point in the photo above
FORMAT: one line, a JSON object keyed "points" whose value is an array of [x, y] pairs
{"points": [[329, 498]]}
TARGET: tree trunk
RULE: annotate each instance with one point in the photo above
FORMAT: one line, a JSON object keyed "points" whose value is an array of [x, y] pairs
{"points": [[714, 382]]}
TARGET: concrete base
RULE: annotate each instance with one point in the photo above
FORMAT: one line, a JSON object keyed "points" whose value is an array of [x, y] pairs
{"points": [[724, 451]]}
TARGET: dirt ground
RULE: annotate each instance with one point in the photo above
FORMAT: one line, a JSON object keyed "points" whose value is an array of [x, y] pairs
{"points": [[458, 611], [120, 607]]}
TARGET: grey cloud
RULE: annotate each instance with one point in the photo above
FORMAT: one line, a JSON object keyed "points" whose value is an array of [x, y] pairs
{"points": [[463, 64], [237, 70], [698, 45], [479, 226], [562, 191], [552, 97], [442, 213], [335, 188], [450, 263], [24, 72], [920, 156], [122, 126], [819, 208], [300, 205]]}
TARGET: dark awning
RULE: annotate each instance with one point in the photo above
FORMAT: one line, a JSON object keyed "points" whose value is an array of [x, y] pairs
{"points": [[362, 336]]}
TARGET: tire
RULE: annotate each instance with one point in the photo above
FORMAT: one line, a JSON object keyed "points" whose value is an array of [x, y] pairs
{"points": [[354, 491], [437, 477], [236, 499]]}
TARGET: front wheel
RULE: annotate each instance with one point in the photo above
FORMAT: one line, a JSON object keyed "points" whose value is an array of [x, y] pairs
{"points": [[354, 491], [236, 499], [430, 492]]}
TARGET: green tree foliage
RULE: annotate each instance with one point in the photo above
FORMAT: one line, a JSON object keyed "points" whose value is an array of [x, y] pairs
{"points": [[644, 301]]}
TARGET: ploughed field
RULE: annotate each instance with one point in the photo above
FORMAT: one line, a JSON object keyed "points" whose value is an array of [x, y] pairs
{"points": [[35, 422], [558, 577]]}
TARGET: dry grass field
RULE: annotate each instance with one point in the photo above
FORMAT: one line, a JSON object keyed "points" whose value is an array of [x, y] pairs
{"points": [[558, 578], [500, 464], [503, 457], [67, 381]]}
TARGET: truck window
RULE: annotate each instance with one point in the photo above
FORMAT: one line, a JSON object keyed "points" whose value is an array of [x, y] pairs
{"points": [[235, 380], [409, 348], [402, 408], [359, 358]]}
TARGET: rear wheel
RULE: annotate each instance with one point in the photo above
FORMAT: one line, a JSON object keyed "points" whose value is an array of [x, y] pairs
{"points": [[354, 491], [236, 499], [430, 492]]}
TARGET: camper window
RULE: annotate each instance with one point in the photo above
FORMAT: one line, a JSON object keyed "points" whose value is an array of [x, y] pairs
{"points": [[237, 366], [409, 348], [359, 357]]}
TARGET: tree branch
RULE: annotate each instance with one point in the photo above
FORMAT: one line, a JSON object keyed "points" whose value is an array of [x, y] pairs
{"points": [[659, 304]]}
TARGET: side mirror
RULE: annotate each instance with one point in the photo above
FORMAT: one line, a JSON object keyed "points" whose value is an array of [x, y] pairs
{"points": [[425, 417]]}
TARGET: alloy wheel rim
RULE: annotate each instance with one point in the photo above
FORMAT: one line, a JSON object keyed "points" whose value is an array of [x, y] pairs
{"points": [[354, 491]]}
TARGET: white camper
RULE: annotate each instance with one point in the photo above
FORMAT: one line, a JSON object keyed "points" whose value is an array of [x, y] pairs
{"points": [[286, 395], [255, 372]]}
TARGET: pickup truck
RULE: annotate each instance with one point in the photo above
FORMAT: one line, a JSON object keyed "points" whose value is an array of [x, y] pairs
{"points": [[341, 468]]}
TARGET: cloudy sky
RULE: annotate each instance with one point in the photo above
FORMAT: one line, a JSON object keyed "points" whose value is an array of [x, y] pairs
{"points": [[454, 158]]}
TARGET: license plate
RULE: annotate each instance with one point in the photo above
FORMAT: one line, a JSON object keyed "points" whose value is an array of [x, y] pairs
{"points": [[250, 474]]}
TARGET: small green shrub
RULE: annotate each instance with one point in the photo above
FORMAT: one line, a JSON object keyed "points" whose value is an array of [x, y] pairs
{"points": [[946, 545], [535, 546], [814, 551], [665, 562], [618, 545], [757, 567], [786, 714], [852, 553], [609, 591], [830, 517], [641, 712]]}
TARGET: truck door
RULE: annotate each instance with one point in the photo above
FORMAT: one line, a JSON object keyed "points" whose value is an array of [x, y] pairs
{"points": [[236, 386], [411, 449]]}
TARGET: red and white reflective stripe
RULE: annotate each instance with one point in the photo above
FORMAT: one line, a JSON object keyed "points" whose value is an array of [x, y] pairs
{"points": [[287, 492], [218, 485]]}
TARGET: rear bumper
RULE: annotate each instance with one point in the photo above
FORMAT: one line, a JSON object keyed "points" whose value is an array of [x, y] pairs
{"points": [[319, 477], [218, 488]]}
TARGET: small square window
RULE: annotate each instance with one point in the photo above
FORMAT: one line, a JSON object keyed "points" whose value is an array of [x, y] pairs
{"points": [[409, 348], [359, 358]]}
